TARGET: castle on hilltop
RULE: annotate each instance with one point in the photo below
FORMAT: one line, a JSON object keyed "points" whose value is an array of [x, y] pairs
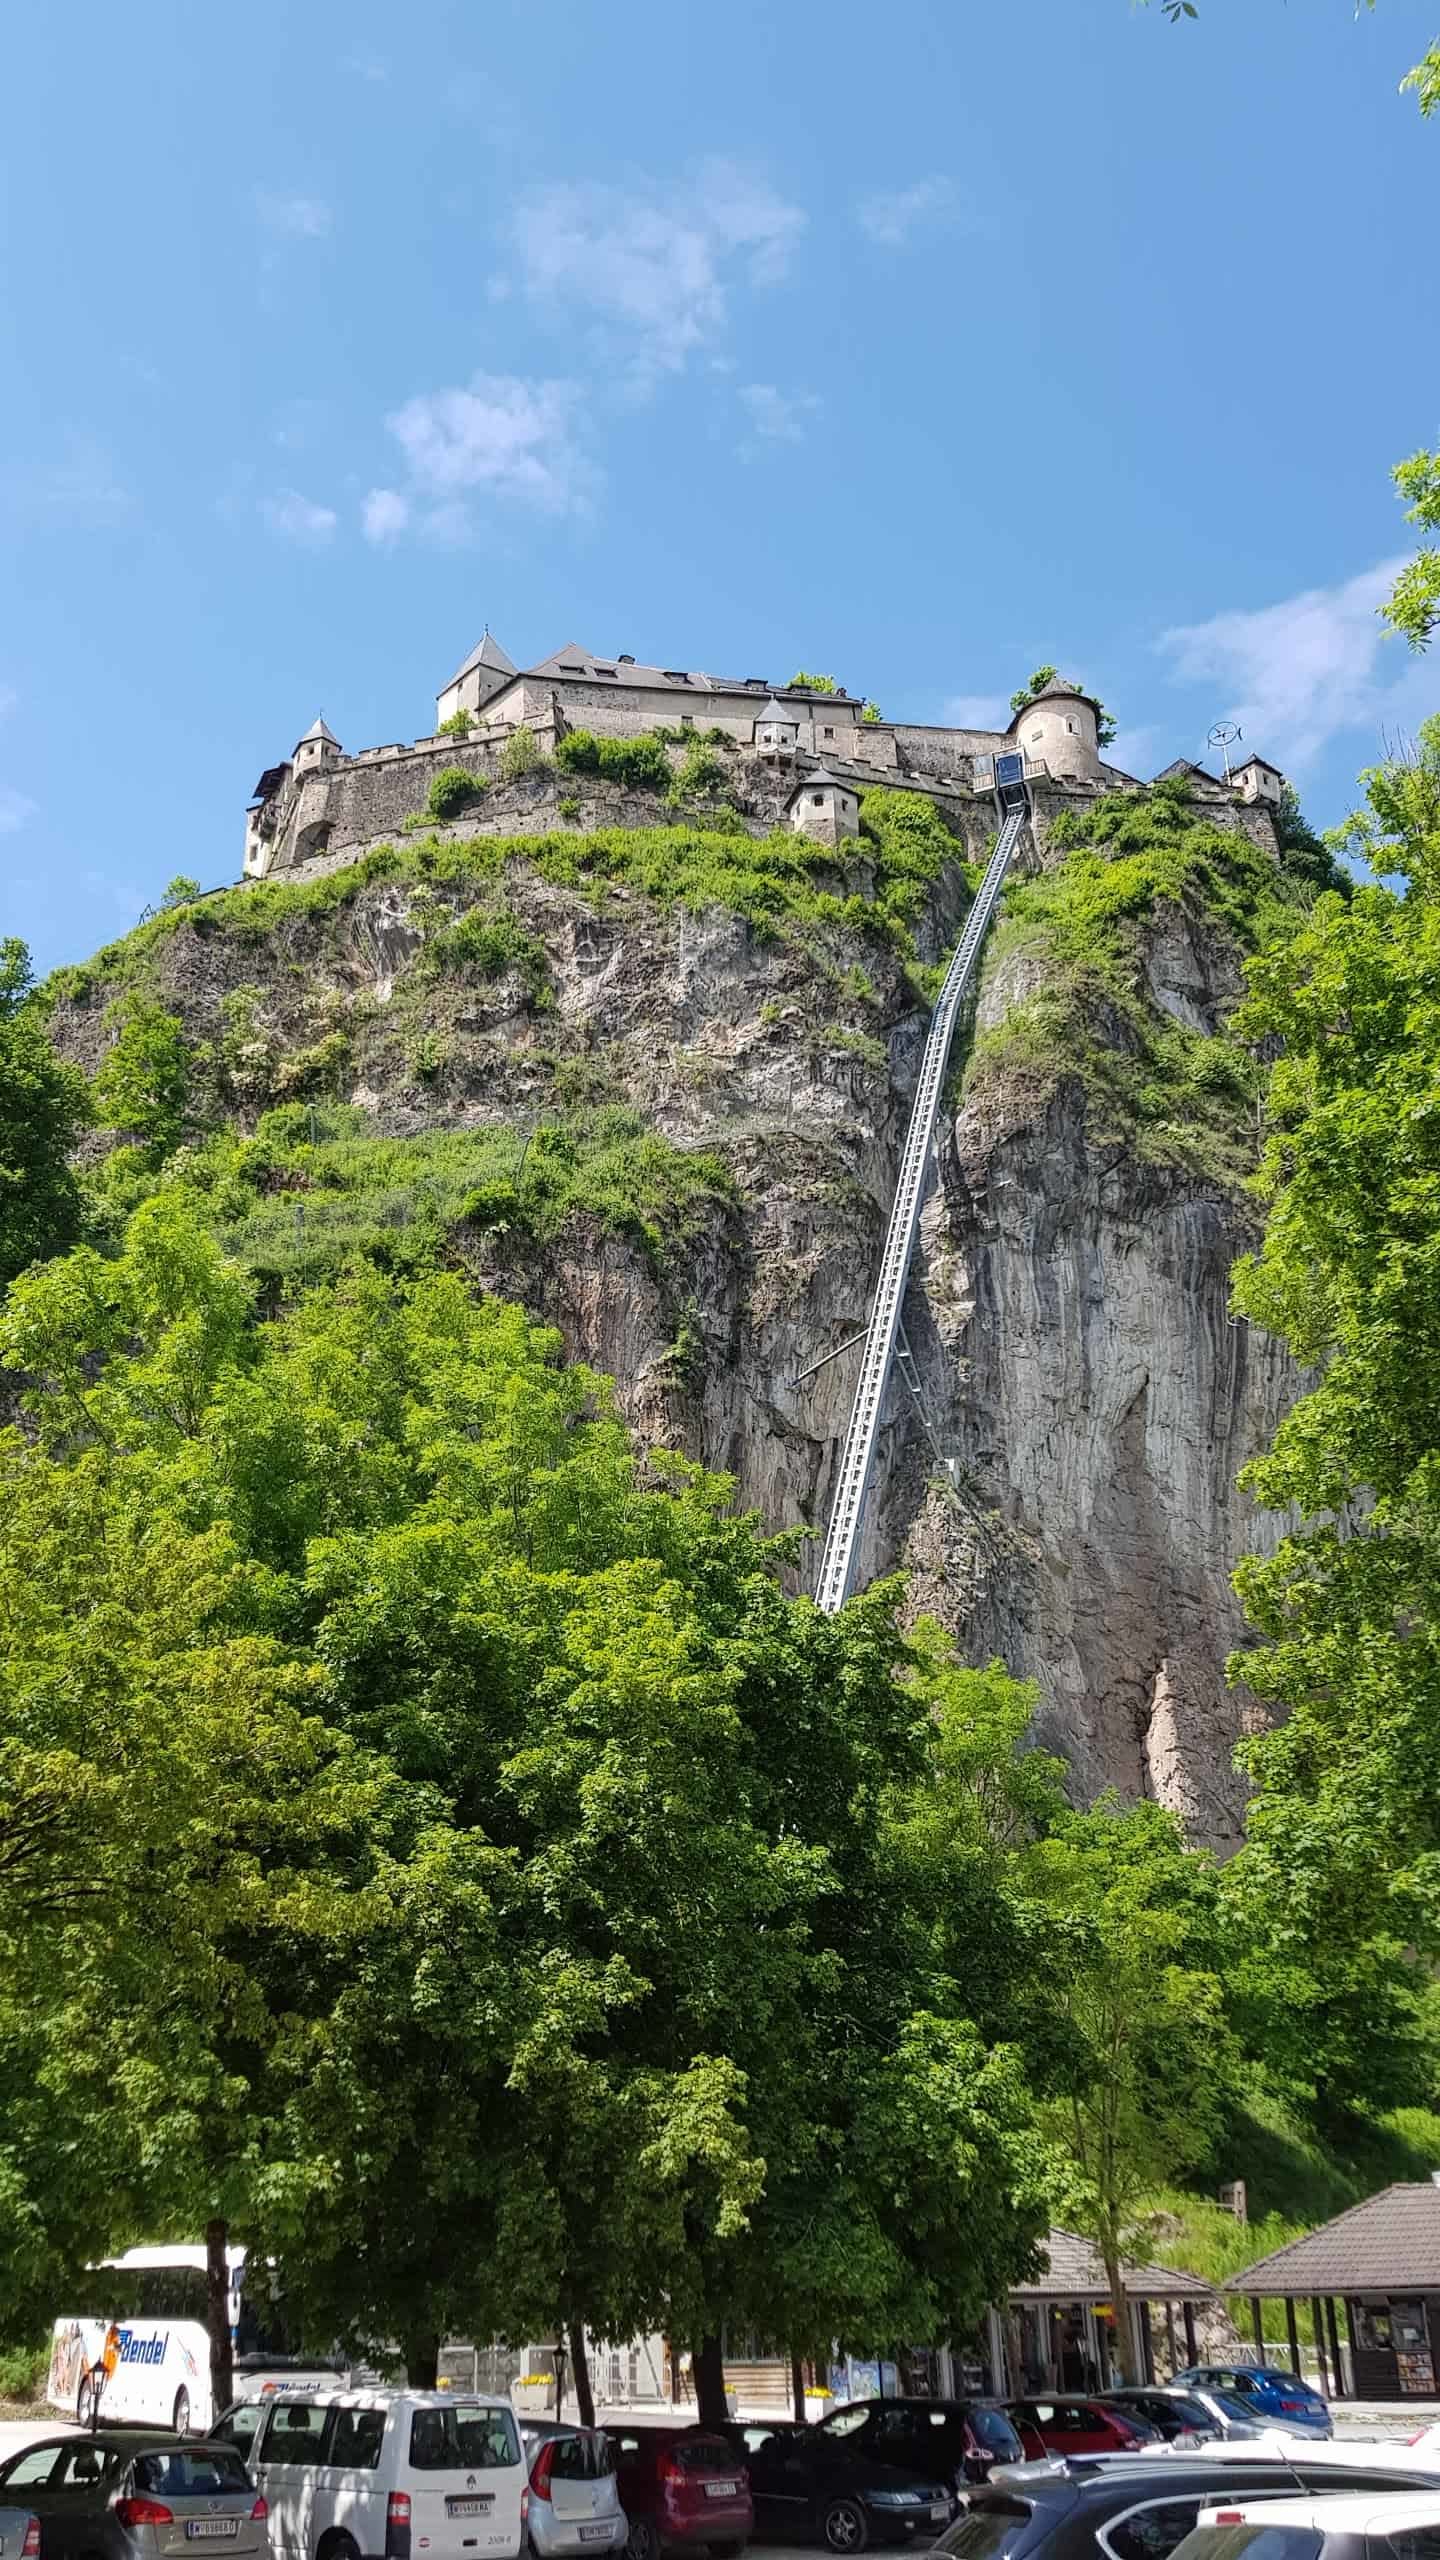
{"points": [[801, 757]]}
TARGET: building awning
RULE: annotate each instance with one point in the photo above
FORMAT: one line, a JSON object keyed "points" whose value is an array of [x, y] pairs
{"points": [[1389, 2244], [1075, 2272]]}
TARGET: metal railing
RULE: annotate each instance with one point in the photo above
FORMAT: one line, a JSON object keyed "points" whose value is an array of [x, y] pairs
{"points": [[842, 1538]]}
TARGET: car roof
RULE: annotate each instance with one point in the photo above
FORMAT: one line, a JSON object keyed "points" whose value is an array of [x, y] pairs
{"points": [[376, 2395], [1354, 2513]]}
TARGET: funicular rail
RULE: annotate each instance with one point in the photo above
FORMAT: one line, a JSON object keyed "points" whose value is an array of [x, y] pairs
{"points": [[847, 1513]]}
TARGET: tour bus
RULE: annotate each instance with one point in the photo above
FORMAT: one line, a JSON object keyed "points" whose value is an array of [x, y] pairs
{"points": [[156, 2297]]}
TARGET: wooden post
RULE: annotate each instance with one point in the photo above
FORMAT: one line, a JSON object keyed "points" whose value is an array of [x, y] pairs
{"points": [[1192, 2352], [1291, 2332], [1335, 2346], [1258, 2325], [1147, 2345], [1318, 2319], [797, 2389], [1170, 2347]]}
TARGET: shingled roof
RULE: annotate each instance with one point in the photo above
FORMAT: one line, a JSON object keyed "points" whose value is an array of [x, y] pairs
{"points": [[1076, 2273], [1389, 2244]]}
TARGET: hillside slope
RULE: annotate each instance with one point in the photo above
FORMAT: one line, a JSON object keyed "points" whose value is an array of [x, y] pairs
{"points": [[653, 1081]]}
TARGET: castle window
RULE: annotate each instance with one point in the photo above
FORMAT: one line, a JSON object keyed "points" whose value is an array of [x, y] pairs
{"points": [[817, 799], [570, 671], [1070, 725], [829, 733], [604, 671], [676, 675]]}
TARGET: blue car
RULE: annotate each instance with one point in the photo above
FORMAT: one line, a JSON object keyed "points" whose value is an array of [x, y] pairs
{"points": [[1264, 2393]]}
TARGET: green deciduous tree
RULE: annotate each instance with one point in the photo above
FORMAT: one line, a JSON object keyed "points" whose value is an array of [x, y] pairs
{"points": [[143, 1083], [1105, 725], [802, 682], [1343, 1864], [43, 1108]]}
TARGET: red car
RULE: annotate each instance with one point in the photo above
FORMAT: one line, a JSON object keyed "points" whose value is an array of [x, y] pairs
{"points": [[1066, 2425], [681, 2488]]}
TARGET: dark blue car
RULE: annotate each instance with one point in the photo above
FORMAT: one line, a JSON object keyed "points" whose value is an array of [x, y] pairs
{"points": [[1265, 2393]]}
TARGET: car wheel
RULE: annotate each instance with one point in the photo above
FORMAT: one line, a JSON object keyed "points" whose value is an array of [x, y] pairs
{"points": [[180, 2414], [85, 2403], [843, 2526], [643, 2542], [338, 2546]]}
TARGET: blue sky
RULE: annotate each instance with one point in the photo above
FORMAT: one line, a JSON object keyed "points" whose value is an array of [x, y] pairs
{"points": [[918, 343]]}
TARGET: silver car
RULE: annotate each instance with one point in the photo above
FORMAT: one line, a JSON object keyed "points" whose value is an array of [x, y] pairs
{"points": [[574, 2497], [121, 2494], [19, 2534]]}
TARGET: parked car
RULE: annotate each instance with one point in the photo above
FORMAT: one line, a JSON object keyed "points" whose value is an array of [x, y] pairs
{"points": [[807, 2486], [121, 2494], [1178, 2417], [19, 2533], [954, 2441], [1353, 2528], [380, 2472], [574, 2494], [1267, 2392], [681, 2486], [1064, 2422], [1141, 2506]]}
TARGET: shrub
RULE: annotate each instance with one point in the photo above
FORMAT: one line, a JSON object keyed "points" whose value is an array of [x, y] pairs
{"points": [[569, 808], [493, 943], [519, 755], [317, 1069], [638, 762], [701, 770], [143, 1084], [427, 1054], [452, 790], [180, 891], [459, 725], [800, 682]]}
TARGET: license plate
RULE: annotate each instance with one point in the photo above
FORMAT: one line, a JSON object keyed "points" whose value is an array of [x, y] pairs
{"points": [[720, 2489], [940, 2513], [212, 2528], [468, 2506], [594, 2533]]}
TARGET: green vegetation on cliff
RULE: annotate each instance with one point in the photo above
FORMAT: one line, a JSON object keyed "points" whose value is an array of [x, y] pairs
{"points": [[1090, 933]]}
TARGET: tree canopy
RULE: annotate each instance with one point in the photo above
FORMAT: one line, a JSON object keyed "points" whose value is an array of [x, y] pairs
{"points": [[44, 1106]]}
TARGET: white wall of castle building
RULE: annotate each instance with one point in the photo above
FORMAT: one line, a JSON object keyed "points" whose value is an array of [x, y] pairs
{"points": [[1261, 782], [1063, 735], [828, 815]]}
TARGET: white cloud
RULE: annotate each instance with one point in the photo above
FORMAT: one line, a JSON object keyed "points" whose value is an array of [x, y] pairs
{"points": [[655, 268], [975, 711], [777, 416], [890, 215], [500, 437], [294, 217], [1296, 674], [384, 515], [368, 66], [75, 485], [15, 810], [299, 519]]}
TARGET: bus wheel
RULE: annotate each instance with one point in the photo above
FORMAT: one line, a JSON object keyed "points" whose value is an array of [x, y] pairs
{"points": [[85, 2403], [180, 2415]]}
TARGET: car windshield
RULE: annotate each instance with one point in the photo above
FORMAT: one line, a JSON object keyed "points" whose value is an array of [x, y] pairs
{"points": [[987, 2531], [993, 2429], [199, 2471], [463, 2440]]}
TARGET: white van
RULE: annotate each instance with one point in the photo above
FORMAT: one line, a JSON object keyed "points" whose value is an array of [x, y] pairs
{"points": [[385, 2475]]}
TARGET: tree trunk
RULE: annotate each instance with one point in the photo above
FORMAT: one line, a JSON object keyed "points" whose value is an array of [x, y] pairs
{"points": [[422, 2363], [217, 2316], [797, 2389], [710, 2383], [1120, 2308], [580, 2368]]}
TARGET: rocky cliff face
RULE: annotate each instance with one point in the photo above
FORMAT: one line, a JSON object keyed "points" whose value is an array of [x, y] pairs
{"points": [[1067, 1497]]}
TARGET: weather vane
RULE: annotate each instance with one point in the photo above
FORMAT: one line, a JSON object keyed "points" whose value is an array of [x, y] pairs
{"points": [[1225, 735]]}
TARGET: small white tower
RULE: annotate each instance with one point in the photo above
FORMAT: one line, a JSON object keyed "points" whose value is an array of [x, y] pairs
{"points": [[1060, 729], [777, 728], [485, 673], [1256, 780], [317, 750], [823, 808]]}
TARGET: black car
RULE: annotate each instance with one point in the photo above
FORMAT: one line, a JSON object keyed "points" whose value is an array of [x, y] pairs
{"points": [[1173, 2413], [954, 2441], [1137, 2506], [806, 2484]]}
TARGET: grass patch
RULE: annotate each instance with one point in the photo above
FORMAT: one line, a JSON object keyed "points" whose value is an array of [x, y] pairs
{"points": [[1171, 1096], [315, 1187]]}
